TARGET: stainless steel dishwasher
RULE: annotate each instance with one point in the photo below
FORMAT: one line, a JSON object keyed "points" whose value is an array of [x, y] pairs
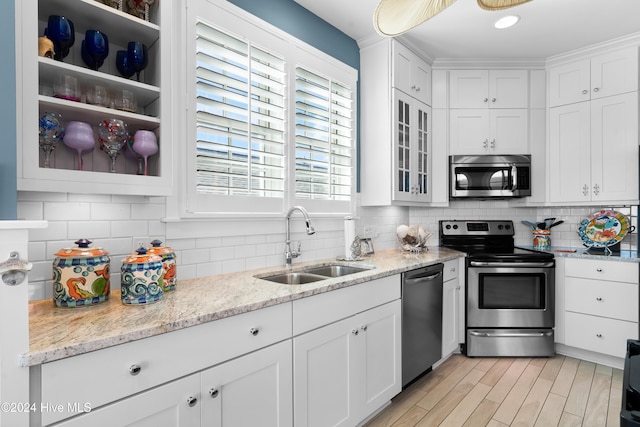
{"points": [[421, 320]]}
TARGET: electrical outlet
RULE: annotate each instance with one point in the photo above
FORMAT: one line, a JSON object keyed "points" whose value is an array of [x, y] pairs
{"points": [[369, 231]]}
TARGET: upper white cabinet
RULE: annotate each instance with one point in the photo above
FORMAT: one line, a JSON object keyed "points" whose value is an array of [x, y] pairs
{"points": [[35, 86], [488, 89], [483, 131], [593, 151], [411, 74], [596, 77], [396, 164]]}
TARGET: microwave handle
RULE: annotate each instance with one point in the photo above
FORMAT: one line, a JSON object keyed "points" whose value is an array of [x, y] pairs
{"points": [[514, 177]]}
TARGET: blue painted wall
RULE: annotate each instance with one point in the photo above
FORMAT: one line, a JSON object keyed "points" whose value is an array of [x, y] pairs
{"points": [[289, 16], [8, 181]]}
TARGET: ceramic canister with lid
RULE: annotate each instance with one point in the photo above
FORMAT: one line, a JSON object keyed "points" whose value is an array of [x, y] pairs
{"points": [[81, 275], [169, 266], [141, 281]]}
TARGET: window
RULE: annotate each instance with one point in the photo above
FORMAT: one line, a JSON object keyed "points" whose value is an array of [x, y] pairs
{"points": [[273, 119]]}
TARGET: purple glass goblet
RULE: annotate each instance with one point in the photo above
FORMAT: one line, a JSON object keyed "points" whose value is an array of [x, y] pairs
{"points": [[79, 136], [145, 143]]}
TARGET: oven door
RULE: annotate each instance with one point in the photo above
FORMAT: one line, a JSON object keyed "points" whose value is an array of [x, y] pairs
{"points": [[510, 294]]}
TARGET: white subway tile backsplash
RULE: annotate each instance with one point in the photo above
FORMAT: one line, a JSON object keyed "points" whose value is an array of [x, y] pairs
{"points": [[206, 269], [67, 211], [92, 198], [37, 196], [110, 211], [30, 211], [147, 211], [186, 272], [37, 251], [88, 230], [234, 265], [55, 230], [195, 256], [128, 228]]}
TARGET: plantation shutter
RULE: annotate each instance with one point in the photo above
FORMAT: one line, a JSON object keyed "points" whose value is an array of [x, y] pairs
{"points": [[324, 135], [240, 117]]}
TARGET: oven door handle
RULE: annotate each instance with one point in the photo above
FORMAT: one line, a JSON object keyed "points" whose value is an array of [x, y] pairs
{"points": [[510, 264], [510, 334]]}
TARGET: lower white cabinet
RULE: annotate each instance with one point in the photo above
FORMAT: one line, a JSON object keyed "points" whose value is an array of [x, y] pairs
{"points": [[450, 308], [600, 305], [253, 390], [175, 404], [346, 370]]}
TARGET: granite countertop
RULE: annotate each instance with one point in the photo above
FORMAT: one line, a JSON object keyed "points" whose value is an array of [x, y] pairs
{"points": [[57, 333], [567, 252]]}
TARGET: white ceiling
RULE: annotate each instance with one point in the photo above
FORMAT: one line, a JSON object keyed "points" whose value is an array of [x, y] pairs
{"points": [[464, 30]]}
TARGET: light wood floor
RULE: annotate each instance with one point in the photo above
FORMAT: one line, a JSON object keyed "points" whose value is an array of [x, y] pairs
{"points": [[558, 391]]}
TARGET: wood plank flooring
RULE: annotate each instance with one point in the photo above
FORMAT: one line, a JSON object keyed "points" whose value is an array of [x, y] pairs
{"points": [[497, 392]]}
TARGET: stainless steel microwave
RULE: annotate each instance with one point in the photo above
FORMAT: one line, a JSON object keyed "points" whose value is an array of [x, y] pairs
{"points": [[490, 176]]}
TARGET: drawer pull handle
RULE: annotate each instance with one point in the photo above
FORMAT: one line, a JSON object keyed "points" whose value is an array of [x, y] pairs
{"points": [[214, 393], [599, 270], [363, 328], [254, 331], [598, 298], [355, 332], [135, 369], [599, 335], [192, 401]]}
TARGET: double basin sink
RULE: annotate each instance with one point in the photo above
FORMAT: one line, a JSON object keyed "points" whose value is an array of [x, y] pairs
{"points": [[313, 274]]}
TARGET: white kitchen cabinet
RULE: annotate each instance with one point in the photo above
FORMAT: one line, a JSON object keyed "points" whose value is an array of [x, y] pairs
{"points": [[345, 371], [412, 150], [175, 404], [600, 305], [612, 73], [127, 369], [411, 74], [488, 131], [450, 307], [488, 89], [396, 158], [34, 85], [593, 151], [253, 390]]}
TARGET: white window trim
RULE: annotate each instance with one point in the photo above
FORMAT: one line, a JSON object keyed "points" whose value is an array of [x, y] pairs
{"points": [[250, 26]]}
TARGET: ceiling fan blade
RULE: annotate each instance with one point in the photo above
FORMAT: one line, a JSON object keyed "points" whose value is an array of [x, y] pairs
{"points": [[394, 17], [500, 4]]}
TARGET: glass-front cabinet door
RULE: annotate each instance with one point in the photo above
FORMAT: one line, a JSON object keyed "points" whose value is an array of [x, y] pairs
{"points": [[412, 148]]}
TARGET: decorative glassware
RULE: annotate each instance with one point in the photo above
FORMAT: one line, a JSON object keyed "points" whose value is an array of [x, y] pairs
{"points": [[112, 134], [79, 136], [95, 48], [61, 32], [51, 132], [138, 57], [139, 8], [97, 95], [125, 100], [66, 87], [133, 155], [116, 4], [145, 143], [123, 65]]}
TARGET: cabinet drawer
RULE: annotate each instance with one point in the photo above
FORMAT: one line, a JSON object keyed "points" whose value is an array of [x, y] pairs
{"points": [[106, 375], [602, 270], [319, 310], [450, 270], [599, 334], [617, 300]]}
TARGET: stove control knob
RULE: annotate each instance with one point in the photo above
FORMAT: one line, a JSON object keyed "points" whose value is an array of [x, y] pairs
{"points": [[448, 227], [507, 226], [500, 226], [455, 227]]}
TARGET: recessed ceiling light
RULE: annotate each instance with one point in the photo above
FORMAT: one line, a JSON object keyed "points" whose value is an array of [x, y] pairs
{"points": [[506, 21]]}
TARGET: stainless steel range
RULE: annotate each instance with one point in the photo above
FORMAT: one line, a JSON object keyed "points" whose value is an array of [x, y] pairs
{"points": [[509, 291]]}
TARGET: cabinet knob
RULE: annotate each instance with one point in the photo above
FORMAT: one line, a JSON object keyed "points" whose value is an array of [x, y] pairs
{"points": [[254, 331], [417, 89], [493, 143], [135, 369], [355, 331], [596, 89], [192, 401], [493, 100], [363, 328], [598, 298], [485, 144], [584, 92], [599, 335], [214, 393], [599, 270], [413, 87]]}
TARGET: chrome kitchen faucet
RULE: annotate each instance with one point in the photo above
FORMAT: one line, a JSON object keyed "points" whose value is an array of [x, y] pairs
{"points": [[288, 253]]}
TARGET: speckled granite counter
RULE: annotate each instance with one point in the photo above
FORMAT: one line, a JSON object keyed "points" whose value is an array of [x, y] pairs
{"points": [[566, 252], [56, 333]]}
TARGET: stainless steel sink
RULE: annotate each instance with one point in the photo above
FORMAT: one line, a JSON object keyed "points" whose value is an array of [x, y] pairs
{"points": [[335, 270], [292, 278]]}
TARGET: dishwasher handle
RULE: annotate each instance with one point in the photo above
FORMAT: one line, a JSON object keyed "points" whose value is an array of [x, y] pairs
{"points": [[419, 279]]}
